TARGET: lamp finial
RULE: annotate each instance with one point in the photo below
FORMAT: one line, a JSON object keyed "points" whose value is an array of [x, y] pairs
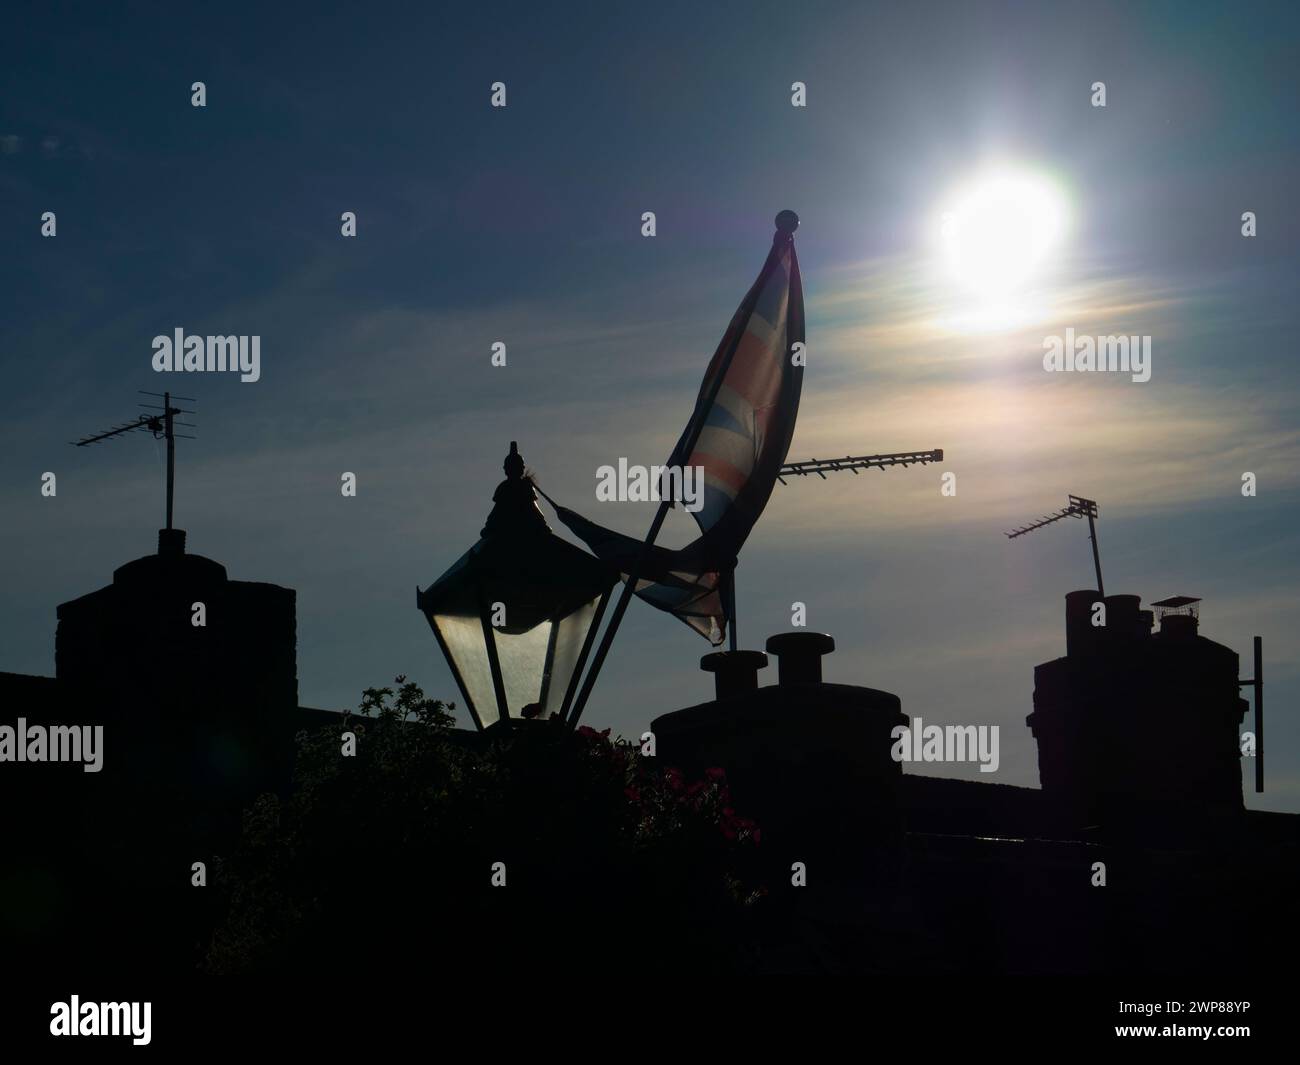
{"points": [[514, 463]]}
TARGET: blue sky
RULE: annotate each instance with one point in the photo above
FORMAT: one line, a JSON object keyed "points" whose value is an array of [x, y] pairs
{"points": [[523, 225]]}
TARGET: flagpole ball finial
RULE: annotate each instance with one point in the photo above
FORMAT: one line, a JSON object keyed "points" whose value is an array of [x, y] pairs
{"points": [[787, 222]]}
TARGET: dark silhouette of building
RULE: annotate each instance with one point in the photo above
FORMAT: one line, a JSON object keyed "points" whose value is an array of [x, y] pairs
{"points": [[1136, 728], [1137, 732], [197, 720], [925, 874], [206, 708]]}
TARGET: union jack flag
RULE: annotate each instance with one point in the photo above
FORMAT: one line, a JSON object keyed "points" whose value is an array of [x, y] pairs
{"points": [[739, 433]]}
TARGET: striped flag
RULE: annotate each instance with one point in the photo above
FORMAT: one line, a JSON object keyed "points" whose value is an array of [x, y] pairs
{"points": [[746, 423], [680, 581], [739, 433]]}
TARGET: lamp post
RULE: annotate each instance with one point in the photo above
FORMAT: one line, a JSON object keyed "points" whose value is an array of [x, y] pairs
{"points": [[516, 615]]}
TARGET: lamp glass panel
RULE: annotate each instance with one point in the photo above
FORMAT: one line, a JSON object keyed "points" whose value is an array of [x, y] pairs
{"points": [[568, 645], [464, 639], [523, 661]]}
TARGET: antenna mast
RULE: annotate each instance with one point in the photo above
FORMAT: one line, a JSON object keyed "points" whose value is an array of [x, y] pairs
{"points": [[1078, 508], [160, 425], [1257, 682]]}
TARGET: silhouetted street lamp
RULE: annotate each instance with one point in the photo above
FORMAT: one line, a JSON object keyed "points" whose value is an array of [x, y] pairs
{"points": [[516, 614]]}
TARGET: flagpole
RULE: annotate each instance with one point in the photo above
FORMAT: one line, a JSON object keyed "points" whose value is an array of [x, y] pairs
{"points": [[730, 604], [786, 223]]}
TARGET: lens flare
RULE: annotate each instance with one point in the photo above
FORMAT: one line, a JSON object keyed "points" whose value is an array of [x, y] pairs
{"points": [[998, 233]]}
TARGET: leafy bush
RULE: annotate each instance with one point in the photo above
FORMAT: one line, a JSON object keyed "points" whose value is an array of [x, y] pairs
{"points": [[390, 853]]}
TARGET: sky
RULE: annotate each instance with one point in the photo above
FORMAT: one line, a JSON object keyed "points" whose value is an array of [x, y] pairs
{"points": [[523, 225]]}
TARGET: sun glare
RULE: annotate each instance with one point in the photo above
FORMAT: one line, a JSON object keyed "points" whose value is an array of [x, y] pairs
{"points": [[997, 235]]}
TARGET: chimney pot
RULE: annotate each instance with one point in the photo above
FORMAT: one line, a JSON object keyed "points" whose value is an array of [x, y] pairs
{"points": [[734, 672], [171, 542], [1178, 627], [799, 656], [1081, 637]]}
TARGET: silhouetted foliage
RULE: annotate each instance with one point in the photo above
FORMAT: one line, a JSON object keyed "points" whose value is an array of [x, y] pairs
{"points": [[391, 852]]}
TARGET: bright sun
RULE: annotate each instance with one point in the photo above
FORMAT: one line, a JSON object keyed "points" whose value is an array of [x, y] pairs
{"points": [[997, 233]]}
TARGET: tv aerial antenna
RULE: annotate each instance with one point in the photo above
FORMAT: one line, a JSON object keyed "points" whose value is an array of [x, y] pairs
{"points": [[161, 425], [1078, 508], [853, 463]]}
